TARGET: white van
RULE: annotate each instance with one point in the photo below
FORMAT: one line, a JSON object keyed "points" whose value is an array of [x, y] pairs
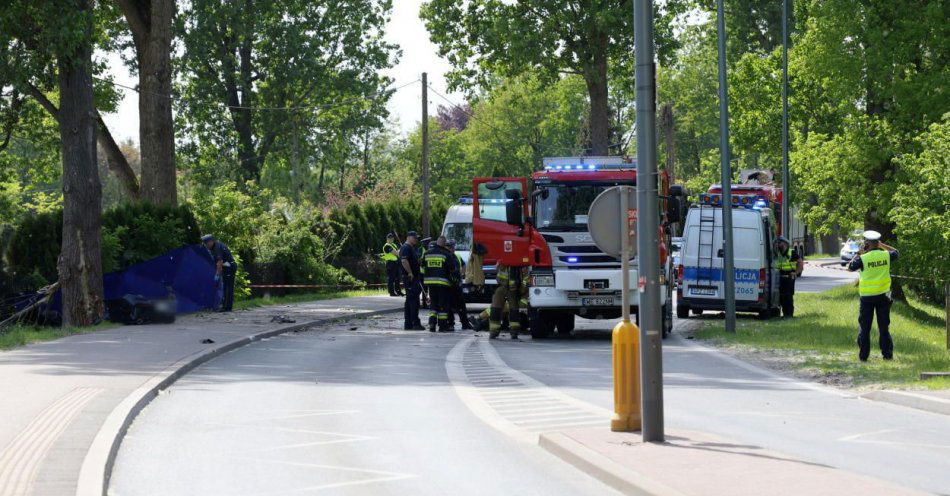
{"points": [[701, 263], [458, 227]]}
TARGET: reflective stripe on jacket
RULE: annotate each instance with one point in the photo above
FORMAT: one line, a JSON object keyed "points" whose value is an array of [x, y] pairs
{"points": [[876, 273]]}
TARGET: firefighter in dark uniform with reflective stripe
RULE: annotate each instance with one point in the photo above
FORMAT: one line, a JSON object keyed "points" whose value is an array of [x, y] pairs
{"points": [[456, 298], [390, 256], [510, 287], [790, 266], [874, 260], [439, 265]]}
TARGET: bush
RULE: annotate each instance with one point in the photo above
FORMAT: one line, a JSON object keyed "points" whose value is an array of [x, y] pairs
{"points": [[130, 234]]}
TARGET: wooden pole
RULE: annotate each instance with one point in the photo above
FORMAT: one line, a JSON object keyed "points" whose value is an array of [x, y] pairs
{"points": [[946, 304], [425, 157]]}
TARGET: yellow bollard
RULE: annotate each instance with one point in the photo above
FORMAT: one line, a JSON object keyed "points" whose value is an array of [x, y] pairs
{"points": [[626, 352]]}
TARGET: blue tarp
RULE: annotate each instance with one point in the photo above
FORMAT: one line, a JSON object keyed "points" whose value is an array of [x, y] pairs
{"points": [[188, 271]]}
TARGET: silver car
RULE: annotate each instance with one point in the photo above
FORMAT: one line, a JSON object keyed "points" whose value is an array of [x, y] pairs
{"points": [[848, 250]]}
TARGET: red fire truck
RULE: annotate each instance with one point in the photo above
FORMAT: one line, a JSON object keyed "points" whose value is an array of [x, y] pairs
{"points": [[542, 224]]}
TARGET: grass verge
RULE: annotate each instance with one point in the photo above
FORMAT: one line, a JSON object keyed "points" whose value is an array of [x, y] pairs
{"points": [[822, 338], [818, 256], [303, 297], [17, 335]]}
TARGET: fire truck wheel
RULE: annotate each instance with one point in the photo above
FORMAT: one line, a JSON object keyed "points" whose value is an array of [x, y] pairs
{"points": [[540, 324], [667, 321], [565, 323], [682, 311]]}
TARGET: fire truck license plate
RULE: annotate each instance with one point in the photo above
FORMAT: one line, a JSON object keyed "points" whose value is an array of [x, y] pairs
{"points": [[600, 301]]}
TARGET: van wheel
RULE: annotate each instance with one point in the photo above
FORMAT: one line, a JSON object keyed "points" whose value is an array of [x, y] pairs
{"points": [[682, 311], [768, 313], [667, 321], [697, 311]]}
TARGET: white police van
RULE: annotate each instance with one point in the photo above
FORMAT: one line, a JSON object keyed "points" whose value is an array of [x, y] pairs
{"points": [[458, 227], [701, 264]]}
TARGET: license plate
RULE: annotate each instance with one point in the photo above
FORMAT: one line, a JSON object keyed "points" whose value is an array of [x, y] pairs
{"points": [[602, 301], [703, 291]]}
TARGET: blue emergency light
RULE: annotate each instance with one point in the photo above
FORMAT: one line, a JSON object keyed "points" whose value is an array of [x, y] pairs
{"points": [[466, 200], [571, 259]]}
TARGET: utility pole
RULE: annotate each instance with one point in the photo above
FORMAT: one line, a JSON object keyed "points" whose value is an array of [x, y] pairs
{"points": [[425, 156], [651, 337], [728, 262], [786, 177]]}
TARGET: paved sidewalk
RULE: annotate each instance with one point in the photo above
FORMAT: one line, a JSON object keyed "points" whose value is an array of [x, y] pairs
{"points": [[692, 463], [55, 396]]}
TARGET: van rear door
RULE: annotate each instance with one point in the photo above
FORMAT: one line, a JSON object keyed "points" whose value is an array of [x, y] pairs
{"points": [[703, 255]]}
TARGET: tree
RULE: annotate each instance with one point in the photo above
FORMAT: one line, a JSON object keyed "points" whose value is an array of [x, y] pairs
{"points": [[63, 30], [150, 22], [486, 39], [254, 71]]}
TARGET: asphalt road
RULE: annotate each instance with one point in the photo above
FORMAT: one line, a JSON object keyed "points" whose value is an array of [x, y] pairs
{"points": [[362, 409], [335, 411]]}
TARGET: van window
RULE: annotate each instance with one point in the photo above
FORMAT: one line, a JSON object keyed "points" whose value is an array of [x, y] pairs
{"points": [[461, 233], [747, 243]]}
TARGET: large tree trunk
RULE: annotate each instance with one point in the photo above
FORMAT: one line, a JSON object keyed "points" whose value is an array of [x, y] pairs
{"points": [[596, 78], [80, 265], [151, 24]]}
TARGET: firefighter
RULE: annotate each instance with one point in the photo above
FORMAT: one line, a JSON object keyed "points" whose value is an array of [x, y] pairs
{"points": [[510, 288], [390, 256], [790, 266], [439, 266], [421, 252], [456, 298], [874, 260]]}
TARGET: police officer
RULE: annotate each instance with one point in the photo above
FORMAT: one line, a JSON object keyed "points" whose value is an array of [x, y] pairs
{"points": [[412, 281], [390, 256], [224, 270], [874, 260], [456, 298], [439, 265], [510, 286], [790, 266]]}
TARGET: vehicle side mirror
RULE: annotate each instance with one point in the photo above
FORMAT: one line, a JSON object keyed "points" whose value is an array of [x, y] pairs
{"points": [[673, 210], [513, 207]]}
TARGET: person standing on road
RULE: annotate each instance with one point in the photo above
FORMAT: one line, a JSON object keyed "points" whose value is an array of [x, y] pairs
{"points": [[225, 269], [874, 260], [508, 292], [390, 256], [790, 266], [439, 265], [456, 297], [411, 281]]}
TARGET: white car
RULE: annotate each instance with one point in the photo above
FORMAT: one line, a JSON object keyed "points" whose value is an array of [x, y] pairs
{"points": [[848, 250]]}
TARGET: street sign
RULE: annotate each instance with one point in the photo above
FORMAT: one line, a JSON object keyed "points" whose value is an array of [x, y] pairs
{"points": [[604, 221]]}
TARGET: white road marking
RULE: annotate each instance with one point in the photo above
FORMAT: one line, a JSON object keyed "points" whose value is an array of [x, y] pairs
{"points": [[383, 476]]}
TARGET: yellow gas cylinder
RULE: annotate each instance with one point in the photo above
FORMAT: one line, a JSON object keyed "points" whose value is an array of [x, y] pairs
{"points": [[626, 354]]}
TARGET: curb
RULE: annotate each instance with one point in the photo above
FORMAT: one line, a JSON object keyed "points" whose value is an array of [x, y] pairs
{"points": [[602, 468], [100, 457], [911, 400]]}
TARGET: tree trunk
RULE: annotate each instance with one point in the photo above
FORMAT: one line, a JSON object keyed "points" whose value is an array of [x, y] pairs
{"points": [[80, 265], [596, 78], [666, 122], [156, 127]]}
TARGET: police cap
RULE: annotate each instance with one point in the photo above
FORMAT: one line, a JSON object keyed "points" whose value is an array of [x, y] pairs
{"points": [[207, 237], [872, 236], [390, 235], [450, 243], [412, 234]]}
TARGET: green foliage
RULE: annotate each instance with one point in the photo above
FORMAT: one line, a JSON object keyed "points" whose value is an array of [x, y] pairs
{"points": [[922, 212], [130, 234]]}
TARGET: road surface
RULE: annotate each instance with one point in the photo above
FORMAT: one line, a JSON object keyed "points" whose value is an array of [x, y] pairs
{"points": [[364, 409]]}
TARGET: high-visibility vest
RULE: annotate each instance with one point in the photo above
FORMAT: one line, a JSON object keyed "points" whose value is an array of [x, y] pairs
{"points": [[783, 261], [875, 273], [390, 255]]}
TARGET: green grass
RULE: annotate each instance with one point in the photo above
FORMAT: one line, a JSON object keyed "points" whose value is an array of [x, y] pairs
{"points": [[17, 336], [816, 256], [823, 332], [302, 297]]}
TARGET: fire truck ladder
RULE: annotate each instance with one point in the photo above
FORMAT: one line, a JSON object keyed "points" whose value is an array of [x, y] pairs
{"points": [[704, 255]]}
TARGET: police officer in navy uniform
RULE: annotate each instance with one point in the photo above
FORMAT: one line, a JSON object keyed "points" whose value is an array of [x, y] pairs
{"points": [[456, 297], [412, 281], [225, 269], [439, 265], [390, 256], [790, 266], [874, 260]]}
